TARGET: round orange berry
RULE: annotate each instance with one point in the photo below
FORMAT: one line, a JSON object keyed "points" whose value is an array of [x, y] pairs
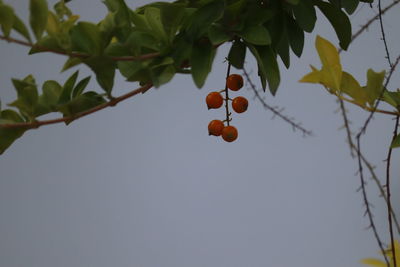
{"points": [[214, 100], [229, 133], [234, 82], [215, 127], [240, 104]]}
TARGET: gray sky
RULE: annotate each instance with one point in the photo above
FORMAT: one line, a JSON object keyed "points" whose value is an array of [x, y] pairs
{"points": [[142, 184]]}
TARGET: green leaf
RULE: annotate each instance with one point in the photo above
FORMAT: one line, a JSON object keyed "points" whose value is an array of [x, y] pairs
{"points": [[296, 36], [86, 37], [237, 54], [45, 44], [218, 35], [392, 98], [257, 16], [51, 95], [20, 27], [62, 10], [282, 47], [350, 5], [38, 17], [53, 25], [339, 20], [122, 14], [202, 18], [305, 15], [27, 95], [7, 135], [153, 18], [162, 75], [104, 68], [268, 68], [201, 61], [172, 16], [256, 34], [81, 103], [138, 40], [139, 21], [6, 19], [129, 68], [396, 142], [71, 62], [80, 87], [66, 93], [374, 85]]}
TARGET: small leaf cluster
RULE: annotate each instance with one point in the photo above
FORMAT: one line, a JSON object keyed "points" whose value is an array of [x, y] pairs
{"points": [[67, 99], [339, 82]]}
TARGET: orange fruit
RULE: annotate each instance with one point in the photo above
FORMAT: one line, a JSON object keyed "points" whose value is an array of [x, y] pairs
{"points": [[240, 104], [229, 133], [215, 127], [214, 100], [234, 82]]}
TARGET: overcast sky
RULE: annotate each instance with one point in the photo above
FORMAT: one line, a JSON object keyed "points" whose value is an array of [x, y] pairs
{"points": [[142, 184]]}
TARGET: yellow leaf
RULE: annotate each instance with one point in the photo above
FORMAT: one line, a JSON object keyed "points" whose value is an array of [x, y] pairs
{"points": [[312, 77], [53, 26], [331, 71], [352, 88], [373, 262]]}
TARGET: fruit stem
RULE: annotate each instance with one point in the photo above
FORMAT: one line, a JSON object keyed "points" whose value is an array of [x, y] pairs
{"points": [[227, 95]]}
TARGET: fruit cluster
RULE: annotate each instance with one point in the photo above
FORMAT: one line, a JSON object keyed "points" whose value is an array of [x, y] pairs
{"points": [[215, 100]]}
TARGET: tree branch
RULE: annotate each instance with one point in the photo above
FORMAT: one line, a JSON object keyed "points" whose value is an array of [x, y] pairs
{"points": [[274, 110], [75, 54], [389, 203], [369, 22], [394, 113], [366, 203], [112, 102]]}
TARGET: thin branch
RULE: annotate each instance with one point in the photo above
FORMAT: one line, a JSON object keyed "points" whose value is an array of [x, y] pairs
{"points": [[112, 102], [378, 184], [389, 204], [75, 54], [366, 203], [275, 110], [228, 71], [346, 125], [369, 22], [394, 113], [384, 35], [369, 166]]}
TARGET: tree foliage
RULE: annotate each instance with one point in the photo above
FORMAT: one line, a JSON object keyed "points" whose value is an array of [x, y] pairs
{"points": [[152, 43]]}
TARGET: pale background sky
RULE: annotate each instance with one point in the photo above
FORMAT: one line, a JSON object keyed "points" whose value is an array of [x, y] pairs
{"points": [[142, 184]]}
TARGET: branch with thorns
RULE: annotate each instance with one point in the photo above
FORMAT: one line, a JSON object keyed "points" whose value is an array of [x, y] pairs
{"points": [[276, 111]]}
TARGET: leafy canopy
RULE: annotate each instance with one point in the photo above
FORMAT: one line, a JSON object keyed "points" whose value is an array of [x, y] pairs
{"points": [[152, 43]]}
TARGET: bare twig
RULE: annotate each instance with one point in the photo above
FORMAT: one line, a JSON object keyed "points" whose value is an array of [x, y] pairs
{"points": [[369, 22], [389, 203], [112, 102], [228, 71], [346, 126], [384, 35], [387, 112], [274, 110], [366, 203], [75, 54]]}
